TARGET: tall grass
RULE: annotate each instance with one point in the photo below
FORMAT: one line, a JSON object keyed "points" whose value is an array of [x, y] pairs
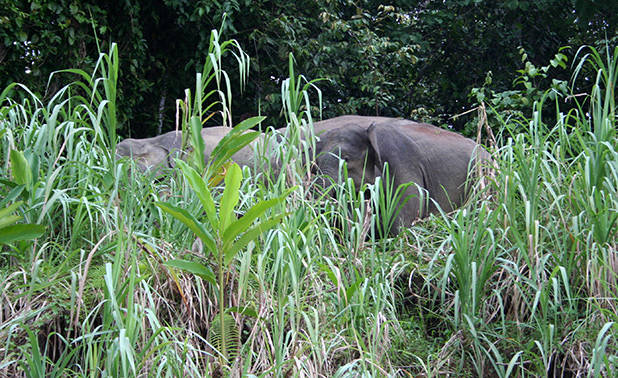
{"points": [[530, 276], [519, 282]]}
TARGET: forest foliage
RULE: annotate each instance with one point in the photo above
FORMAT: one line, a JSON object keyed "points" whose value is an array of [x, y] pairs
{"points": [[411, 59]]}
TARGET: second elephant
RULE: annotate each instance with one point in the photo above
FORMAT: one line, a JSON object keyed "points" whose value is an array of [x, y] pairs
{"points": [[438, 162]]}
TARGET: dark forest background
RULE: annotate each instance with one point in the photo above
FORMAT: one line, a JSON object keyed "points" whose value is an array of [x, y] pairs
{"points": [[413, 59]]}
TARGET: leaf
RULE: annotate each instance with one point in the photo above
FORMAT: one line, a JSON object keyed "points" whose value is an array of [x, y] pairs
{"points": [[34, 365], [5, 212], [227, 331], [14, 193], [230, 197], [215, 178], [249, 123], [227, 148], [8, 219], [201, 190], [232, 143], [245, 310], [10, 232], [21, 172], [193, 267], [243, 223], [349, 292], [197, 141], [20, 232], [190, 221], [329, 273], [249, 236]]}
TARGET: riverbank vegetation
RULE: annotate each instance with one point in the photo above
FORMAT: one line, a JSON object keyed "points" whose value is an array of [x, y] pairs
{"points": [[521, 281]]}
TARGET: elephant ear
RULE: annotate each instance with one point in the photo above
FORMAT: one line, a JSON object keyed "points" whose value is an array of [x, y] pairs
{"points": [[406, 165]]}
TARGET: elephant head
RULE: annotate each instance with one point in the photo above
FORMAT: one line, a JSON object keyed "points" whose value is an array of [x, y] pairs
{"points": [[155, 153], [350, 143], [433, 162]]}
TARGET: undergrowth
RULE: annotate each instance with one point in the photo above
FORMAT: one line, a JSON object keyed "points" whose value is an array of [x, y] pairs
{"points": [[521, 281]]}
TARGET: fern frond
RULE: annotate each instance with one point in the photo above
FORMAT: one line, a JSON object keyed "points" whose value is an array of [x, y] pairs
{"points": [[229, 332]]}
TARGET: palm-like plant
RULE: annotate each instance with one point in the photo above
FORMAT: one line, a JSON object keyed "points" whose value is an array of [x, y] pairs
{"points": [[229, 234]]}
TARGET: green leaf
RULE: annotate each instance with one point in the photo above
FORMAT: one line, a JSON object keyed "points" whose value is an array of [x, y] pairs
{"points": [[224, 335], [227, 148], [349, 292], [249, 236], [190, 221], [197, 141], [5, 212], [14, 193], [232, 143], [20, 168], [20, 232], [34, 365], [200, 188], [329, 273], [249, 123], [195, 268], [243, 223], [247, 311], [9, 219], [230, 196]]}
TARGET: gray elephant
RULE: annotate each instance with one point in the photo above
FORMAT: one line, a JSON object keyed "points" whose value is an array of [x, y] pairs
{"points": [[152, 154], [437, 161], [157, 153]]}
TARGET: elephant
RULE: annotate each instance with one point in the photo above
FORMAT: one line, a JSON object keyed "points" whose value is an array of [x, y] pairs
{"points": [[152, 154], [438, 162], [158, 153]]}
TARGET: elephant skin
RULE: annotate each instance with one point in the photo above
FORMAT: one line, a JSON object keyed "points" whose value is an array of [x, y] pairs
{"points": [[152, 154], [436, 160], [158, 153]]}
